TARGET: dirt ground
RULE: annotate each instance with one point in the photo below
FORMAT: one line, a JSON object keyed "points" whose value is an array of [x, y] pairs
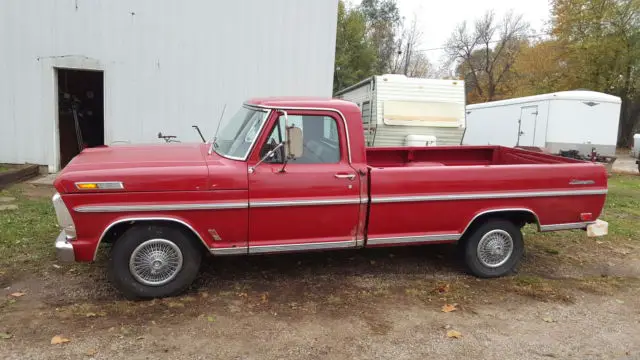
{"points": [[573, 297]]}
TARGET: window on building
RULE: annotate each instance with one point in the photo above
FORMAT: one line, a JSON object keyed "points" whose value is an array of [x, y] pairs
{"points": [[321, 143]]}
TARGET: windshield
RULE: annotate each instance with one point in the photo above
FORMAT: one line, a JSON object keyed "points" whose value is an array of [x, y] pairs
{"points": [[238, 133]]}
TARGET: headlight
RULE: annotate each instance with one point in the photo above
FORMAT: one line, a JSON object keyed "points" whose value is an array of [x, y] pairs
{"points": [[64, 217]]}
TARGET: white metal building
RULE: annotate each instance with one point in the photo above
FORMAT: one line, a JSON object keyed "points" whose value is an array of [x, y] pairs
{"points": [[399, 110], [566, 120], [149, 66]]}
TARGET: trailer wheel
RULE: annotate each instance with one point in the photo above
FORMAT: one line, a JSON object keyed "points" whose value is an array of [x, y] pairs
{"points": [[493, 249], [153, 261]]}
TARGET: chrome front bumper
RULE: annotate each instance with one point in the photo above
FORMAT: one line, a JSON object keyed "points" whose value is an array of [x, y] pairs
{"points": [[64, 249]]}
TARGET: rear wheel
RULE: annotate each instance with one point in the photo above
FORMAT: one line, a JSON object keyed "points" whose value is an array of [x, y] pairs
{"points": [[150, 261], [493, 249]]}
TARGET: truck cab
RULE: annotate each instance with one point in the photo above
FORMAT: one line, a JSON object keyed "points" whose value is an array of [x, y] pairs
{"points": [[293, 174]]}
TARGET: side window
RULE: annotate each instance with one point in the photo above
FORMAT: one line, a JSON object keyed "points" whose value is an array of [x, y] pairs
{"points": [[366, 112], [321, 143]]}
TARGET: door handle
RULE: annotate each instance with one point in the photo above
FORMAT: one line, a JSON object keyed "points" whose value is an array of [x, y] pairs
{"points": [[345, 176]]}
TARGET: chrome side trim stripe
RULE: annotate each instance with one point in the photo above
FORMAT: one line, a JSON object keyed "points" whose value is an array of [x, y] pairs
{"points": [[568, 226], [167, 207], [260, 249], [479, 196], [413, 239], [259, 204], [242, 250]]}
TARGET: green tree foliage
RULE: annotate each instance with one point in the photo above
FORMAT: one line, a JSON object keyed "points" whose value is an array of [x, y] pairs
{"points": [[383, 25], [600, 41], [355, 55]]}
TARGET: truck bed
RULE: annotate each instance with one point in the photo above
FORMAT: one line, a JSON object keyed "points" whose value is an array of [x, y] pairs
{"points": [[457, 156], [451, 186]]}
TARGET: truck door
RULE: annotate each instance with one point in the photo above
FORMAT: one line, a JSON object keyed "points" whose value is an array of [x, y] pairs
{"points": [[527, 125], [311, 202]]}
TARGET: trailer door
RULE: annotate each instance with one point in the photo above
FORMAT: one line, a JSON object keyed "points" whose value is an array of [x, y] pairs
{"points": [[527, 125]]}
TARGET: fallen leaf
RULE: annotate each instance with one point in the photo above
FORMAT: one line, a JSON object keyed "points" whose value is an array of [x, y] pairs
{"points": [[174, 304], [619, 301], [90, 314], [548, 319], [454, 334], [449, 307], [4, 335], [442, 288], [17, 294], [210, 319], [12, 301], [244, 294], [264, 297], [59, 339], [599, 242], [140, 338], [91, 352], [373, 262], [204, 294]]}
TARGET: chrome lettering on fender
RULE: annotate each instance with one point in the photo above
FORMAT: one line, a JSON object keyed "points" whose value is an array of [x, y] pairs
{"points": [[581, 182]]}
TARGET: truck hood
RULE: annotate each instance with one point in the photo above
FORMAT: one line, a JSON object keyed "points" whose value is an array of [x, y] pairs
{"points": [[164, 167]]}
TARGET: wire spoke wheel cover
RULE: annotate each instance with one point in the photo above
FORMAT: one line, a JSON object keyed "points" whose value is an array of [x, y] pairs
{"points": [[495, 248], [155, 262]]}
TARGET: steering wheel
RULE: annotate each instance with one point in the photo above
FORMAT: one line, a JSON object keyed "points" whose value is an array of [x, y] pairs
{"points": [[277, 156]]}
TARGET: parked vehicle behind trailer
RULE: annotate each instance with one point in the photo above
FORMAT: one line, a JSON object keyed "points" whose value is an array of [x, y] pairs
{"points": [[403, 111], [580, 121], [287, 175]]}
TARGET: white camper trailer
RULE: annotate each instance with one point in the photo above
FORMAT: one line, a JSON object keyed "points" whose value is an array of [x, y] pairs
{"points": [[561, 121], [403, 111]]}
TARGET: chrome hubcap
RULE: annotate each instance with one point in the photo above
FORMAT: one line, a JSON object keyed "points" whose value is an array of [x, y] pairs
{"points": [[495, 248], [155, 262]]}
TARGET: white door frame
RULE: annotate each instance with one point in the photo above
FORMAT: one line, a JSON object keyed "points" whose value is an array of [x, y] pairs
{"points": [[51, 66]]}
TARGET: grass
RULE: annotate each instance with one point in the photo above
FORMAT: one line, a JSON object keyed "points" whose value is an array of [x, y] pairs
{"points": [[27, 234], [4, 168]]}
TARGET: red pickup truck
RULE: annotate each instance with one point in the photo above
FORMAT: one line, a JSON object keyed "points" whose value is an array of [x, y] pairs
{"points": [[291, 174]]}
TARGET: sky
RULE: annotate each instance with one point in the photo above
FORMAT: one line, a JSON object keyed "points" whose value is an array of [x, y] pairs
{"points": [[437, 19]]}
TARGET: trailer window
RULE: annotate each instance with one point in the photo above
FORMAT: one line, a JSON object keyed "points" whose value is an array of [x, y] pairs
{"points": [[321, 142], [366, 112]]}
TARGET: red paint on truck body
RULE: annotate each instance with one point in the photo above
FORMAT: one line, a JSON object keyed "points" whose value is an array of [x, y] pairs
{"points": [[396, 195]]}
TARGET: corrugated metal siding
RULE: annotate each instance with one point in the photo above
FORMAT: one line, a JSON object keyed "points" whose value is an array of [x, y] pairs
{"points": [[409, 89], [167, 64]]}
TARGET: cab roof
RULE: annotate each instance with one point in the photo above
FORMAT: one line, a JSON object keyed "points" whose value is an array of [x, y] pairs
{"points": [[303, 102]]}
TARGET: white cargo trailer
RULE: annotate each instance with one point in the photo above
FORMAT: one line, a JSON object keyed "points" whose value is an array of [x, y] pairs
{"points": [[568, 120], [403, 111]]}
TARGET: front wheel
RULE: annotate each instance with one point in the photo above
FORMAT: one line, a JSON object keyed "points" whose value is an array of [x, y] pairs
{"points": [[493, 249], [151, 261]]}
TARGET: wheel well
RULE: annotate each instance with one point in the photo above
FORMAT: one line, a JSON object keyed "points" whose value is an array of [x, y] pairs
{"points": [[116, 230], [518, 217]]}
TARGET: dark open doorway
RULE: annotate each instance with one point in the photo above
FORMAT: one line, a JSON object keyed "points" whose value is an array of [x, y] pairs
{"points": [[80, 111]]}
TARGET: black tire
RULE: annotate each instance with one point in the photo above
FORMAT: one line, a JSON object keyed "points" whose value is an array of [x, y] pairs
{"points": [[118, 265], [472, 258]]}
